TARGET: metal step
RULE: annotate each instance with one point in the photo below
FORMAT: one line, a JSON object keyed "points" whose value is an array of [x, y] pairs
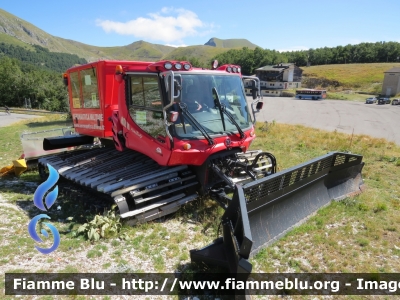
{"points": [[160, 211]]}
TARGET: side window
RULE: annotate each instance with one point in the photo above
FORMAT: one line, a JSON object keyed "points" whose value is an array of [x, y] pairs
{"points": [[75, 90], [89, 88], [145, 106]]}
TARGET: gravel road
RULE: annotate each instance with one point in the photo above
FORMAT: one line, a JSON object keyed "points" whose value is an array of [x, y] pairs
{"points": [[6, 119], [381, 121]]}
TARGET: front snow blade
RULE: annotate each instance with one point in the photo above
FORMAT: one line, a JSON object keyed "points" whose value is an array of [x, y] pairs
{"points": [[262, 211]]}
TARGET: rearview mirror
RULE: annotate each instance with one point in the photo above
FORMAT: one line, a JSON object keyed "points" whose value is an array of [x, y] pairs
{"points": [[177, 85], [173, 116], [254, 93], [254, 89], [177, 89]]}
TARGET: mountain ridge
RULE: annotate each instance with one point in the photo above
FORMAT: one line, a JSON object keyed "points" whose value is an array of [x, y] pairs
{"points": [[231, 43], [16, 31]]}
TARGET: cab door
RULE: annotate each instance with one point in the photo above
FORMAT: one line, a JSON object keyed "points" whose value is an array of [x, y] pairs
{"points": [[145, 129], [86, 109]]}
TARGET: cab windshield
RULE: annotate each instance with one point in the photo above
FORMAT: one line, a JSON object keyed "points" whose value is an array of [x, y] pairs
{"points": [[198, 99]]}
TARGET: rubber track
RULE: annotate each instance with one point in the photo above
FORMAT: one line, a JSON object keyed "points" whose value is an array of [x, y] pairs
{"points": [[142, 189]]}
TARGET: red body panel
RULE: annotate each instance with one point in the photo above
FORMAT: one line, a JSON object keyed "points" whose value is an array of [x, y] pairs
{"points": [[200, 150], [97, 121], [94, 121]]}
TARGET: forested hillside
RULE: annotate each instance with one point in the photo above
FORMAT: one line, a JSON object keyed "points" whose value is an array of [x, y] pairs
{"points": [[250, 60], [21, 80], [42, 57], [360, 53], [34, 75]]}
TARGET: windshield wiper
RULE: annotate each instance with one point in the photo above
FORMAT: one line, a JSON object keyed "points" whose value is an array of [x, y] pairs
{"points": [[187, 113], [217, 103], [223, 110]]}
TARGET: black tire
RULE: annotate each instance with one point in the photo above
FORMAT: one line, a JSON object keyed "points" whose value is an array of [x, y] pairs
{"points": [[300, 97]]}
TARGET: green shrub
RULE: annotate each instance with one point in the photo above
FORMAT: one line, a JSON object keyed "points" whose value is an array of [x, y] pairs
{"points": [[106, 226]]}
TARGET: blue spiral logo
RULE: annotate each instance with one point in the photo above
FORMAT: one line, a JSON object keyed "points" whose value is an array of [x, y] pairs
{"points": [[49, 201], [44, 188]]}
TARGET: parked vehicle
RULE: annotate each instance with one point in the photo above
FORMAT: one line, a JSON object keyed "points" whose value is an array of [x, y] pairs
{"points": [[383, 100], [371, 100], [396, 102], [311, 94]]}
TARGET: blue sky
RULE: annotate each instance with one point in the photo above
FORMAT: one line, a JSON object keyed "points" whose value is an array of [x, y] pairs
{"points": [[280, 25]]}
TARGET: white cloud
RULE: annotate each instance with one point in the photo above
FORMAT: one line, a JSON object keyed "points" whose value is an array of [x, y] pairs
{"points": [[170, 25], [176, 46]]}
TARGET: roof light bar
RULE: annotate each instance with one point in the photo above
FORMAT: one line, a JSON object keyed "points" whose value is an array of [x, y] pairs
{"points": [[168, 65], [215, 64], [230, 68]]}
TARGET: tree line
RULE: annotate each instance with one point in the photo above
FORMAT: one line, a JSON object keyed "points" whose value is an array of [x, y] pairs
{"points": [[20, 81], [250, 60]]}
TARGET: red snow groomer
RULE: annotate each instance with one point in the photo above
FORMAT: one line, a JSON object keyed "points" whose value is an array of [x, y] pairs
{"points": [[170, 132]]}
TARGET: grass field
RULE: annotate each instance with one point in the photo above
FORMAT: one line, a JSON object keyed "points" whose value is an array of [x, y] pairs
{"points": [[351, 78], [351, 75], [359, 234], [10, 145]]}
